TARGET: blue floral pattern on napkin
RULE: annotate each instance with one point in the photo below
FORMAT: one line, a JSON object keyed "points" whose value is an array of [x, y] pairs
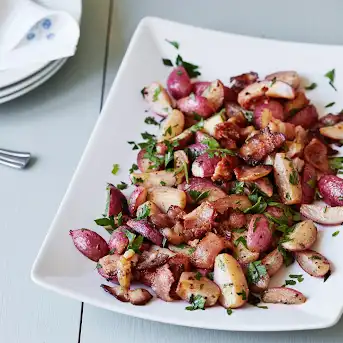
{"points": [[42, 30]]}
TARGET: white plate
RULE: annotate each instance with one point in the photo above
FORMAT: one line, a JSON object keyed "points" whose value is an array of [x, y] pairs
{"points": [[60, 267], [56, 66], [11, 76], [28, 81]]}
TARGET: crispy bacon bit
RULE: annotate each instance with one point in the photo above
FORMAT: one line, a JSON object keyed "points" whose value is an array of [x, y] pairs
{"points": [[152, 260], [239, 82], [246, 173], [199, 221], [224, 169], [162, 283], [227, 130], [117, 291], [177, 265], [175, 213], [261, 145], [139, 296], [316, 154], [207, 250], [330, 119]]}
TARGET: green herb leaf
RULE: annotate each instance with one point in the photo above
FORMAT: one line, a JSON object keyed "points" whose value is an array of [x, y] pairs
{"points": [[198, 196], [144, 213], [331, 76], [243, 294], [115, 169], [198, 303], [329, 105], [335, 233], [198, 276], [242, 240], [249, 116], [273, 81], [134, 145], [104, 222], [327, 275], [191, 69], [143, 92], [98, 266], [136, 180], [167, 62], [288, 258], [255, 271], [259, 206], [229, 311], [175, 44], [289, 283], [313, 85], [237, 187], [151, 121], [210, 275], [336, 163], [157, 92], [198, 126], [211, 143], [133, 168], [220, 152], [122, 185], [294, 177], [162, 183]]}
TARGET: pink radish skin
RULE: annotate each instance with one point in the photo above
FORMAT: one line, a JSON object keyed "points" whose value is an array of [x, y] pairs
{"points": [[178, 83], [313, 263]]}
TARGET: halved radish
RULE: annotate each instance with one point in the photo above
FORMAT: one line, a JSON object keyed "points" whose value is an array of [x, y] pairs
{"points": [[302, 237], [313, 263], [172, 126], [323, 214], [215, 94], [137, 198], [273, 262], [283, 295]]}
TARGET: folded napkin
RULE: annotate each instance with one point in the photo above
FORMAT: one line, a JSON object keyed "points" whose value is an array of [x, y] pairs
{"points": [[32, 33]]}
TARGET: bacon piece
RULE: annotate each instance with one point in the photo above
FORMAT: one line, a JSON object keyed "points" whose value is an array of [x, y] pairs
{"points": [[207, 250], [177, 265], [261, 145], [224, 169], [330, 119], [247, 173], [139, 296], [161, 220], [152, 260], [199, 221], [227, 130], [316, 154], [117, 291], [239, 82], [162, 283]]}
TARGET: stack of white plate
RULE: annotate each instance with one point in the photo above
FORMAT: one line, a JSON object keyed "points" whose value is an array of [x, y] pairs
{"points": [[16, 82]]}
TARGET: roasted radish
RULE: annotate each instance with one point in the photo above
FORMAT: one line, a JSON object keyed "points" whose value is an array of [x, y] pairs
{"points": [[313, 263], [283, 295]]}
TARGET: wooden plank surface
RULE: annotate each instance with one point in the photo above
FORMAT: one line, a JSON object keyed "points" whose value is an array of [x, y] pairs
{"points": [[53, 122], [308, 20]]}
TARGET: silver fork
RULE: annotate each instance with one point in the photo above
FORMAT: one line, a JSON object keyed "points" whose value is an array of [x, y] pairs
{"points": [[14, 159]]}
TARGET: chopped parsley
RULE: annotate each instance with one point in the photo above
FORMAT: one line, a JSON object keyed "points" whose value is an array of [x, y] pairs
{"points": [[243, 294], [197, 303], [122, 185], [294, 177], [133, 168], [156, 94], [273, 81], [143, 92], [242, 240], [135, 242], [331, 76], [288, 258], [115, 169], [185, 246], [167, 62], [211, 143], [335, 233], [136, 180], [259, 204], [191, 69], [229, 311], [196, 127], [313, 85], [238, 187], [249, 116], [255, 271], [98, 266], [105, 221], [198, 196], [289, 283], [134, 145], [198, 276], [219, 152], [144, 212], [210, 275], [151, 121], [336, 163], [329, 105], [162, 183], [299, 277], [175, 44]]}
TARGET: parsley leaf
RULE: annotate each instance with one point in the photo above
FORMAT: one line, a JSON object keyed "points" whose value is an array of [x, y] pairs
{"points": [[211, 143], [336, 163], [134, 145], [219, 152], [243, 294], [122, 185], [198, 303], [198, 196], [151, 121], [115, 169], [229, 311], [249, 116], [288, 258], [162, 183], [313, 85], [133, 168], [104, 221], [210, 275], [198, 276], [238, 187], [175, 44], [294, 177], [191, 69], [255, 271], [259, 206], [167, 62], [331, 76], [289, 283], [157, 92], [242, 240], [144, 212], [329, 105], [335, 233]]}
